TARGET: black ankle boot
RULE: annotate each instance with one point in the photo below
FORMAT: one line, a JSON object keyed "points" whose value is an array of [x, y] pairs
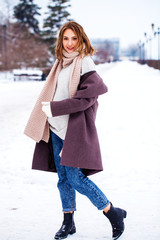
{"points": [[116, 216], [68, 226]]}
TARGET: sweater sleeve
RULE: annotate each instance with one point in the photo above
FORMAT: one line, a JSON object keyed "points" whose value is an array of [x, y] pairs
{"points": [[90, 87], [87, 65]]}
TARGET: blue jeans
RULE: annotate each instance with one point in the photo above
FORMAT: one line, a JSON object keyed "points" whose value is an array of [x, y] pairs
{"points": [[71, 179]]}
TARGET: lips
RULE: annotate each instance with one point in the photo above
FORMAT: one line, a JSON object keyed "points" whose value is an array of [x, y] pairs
{"points": [[70, 48]]}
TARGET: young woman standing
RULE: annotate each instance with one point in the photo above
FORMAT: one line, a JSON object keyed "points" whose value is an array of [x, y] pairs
{"points": [[63, 125]]}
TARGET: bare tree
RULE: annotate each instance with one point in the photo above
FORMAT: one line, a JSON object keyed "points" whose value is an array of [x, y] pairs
{"points": [[102, 56], [24, 49]]}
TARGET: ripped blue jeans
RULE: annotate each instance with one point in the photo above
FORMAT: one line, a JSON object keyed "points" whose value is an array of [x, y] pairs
{"points": [[72, 179]]}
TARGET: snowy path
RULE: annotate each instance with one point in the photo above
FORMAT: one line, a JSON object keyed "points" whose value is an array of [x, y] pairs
{"points": [[129, 132]]}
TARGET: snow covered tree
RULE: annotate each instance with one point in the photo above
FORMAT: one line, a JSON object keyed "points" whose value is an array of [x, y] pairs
{"points": [[26, 12], [57, 15]]}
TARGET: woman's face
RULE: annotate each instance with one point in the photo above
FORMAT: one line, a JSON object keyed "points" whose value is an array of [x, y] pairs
{"points": [[69, 41]]}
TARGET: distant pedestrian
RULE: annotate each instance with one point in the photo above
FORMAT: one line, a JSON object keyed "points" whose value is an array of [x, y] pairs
{"points": [[63, 125]]}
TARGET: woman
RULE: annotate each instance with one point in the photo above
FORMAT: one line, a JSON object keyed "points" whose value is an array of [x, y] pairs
{"points": [[63, 125]]}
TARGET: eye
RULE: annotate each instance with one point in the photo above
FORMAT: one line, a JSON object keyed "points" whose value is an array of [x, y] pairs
{"points": [[65, 38], [75, 38]]}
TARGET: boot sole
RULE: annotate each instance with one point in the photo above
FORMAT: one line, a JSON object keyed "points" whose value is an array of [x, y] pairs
{"points": [[117, 236], [71, 232]]}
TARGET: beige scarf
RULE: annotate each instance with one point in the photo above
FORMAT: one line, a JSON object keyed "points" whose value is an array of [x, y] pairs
{"points": [[37, 127]]}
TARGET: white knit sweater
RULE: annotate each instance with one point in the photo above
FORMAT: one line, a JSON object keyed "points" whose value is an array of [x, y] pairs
{"points": [[59, 124]]}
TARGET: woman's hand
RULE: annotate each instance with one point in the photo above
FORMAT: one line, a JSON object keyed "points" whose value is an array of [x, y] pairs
{"points": [[46, 109]]}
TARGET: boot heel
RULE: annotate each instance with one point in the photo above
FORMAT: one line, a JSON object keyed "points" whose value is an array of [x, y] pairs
{"points": [[124, 213], [72, 231]]}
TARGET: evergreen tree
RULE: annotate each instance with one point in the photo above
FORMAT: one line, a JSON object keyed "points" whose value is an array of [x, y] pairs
{"points": [[26, 12], [57, 15]]}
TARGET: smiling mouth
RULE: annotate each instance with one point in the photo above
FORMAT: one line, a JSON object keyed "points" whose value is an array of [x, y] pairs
{"points": [[70, 48]]}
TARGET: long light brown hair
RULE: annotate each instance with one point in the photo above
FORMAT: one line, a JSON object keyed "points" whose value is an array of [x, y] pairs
{"points": [[84, 46]]}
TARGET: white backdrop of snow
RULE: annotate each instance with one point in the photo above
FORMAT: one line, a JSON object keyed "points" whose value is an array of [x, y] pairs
{"points": [[128, 124]]}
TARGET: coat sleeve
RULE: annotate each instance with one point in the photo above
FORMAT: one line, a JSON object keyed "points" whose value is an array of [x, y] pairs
{"points": [[72, 105], [90, 87]]}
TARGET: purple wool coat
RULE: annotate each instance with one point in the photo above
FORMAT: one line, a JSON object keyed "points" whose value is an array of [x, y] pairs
{"points": [[81, 146]]}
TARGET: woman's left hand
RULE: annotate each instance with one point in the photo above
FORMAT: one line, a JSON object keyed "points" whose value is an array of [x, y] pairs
{"points": [[46, 109]]}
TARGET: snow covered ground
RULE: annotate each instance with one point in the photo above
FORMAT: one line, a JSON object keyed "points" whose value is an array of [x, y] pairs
{"points": [[128, 124]]}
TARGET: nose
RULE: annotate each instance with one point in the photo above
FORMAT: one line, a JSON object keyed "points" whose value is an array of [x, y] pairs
{"points": [[70, 42]]}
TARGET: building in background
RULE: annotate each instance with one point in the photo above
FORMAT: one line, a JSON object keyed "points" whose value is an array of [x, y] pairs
{"points": [[107, 50]]}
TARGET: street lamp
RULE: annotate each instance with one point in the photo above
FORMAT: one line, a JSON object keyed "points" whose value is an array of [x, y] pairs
{"points": [[157, 33], [145, 49], [140, 50], [148, 40], [152, 26], [143, 52]]}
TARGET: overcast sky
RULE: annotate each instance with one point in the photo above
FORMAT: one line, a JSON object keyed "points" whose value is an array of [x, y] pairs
{"points": [[123, 19]]}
